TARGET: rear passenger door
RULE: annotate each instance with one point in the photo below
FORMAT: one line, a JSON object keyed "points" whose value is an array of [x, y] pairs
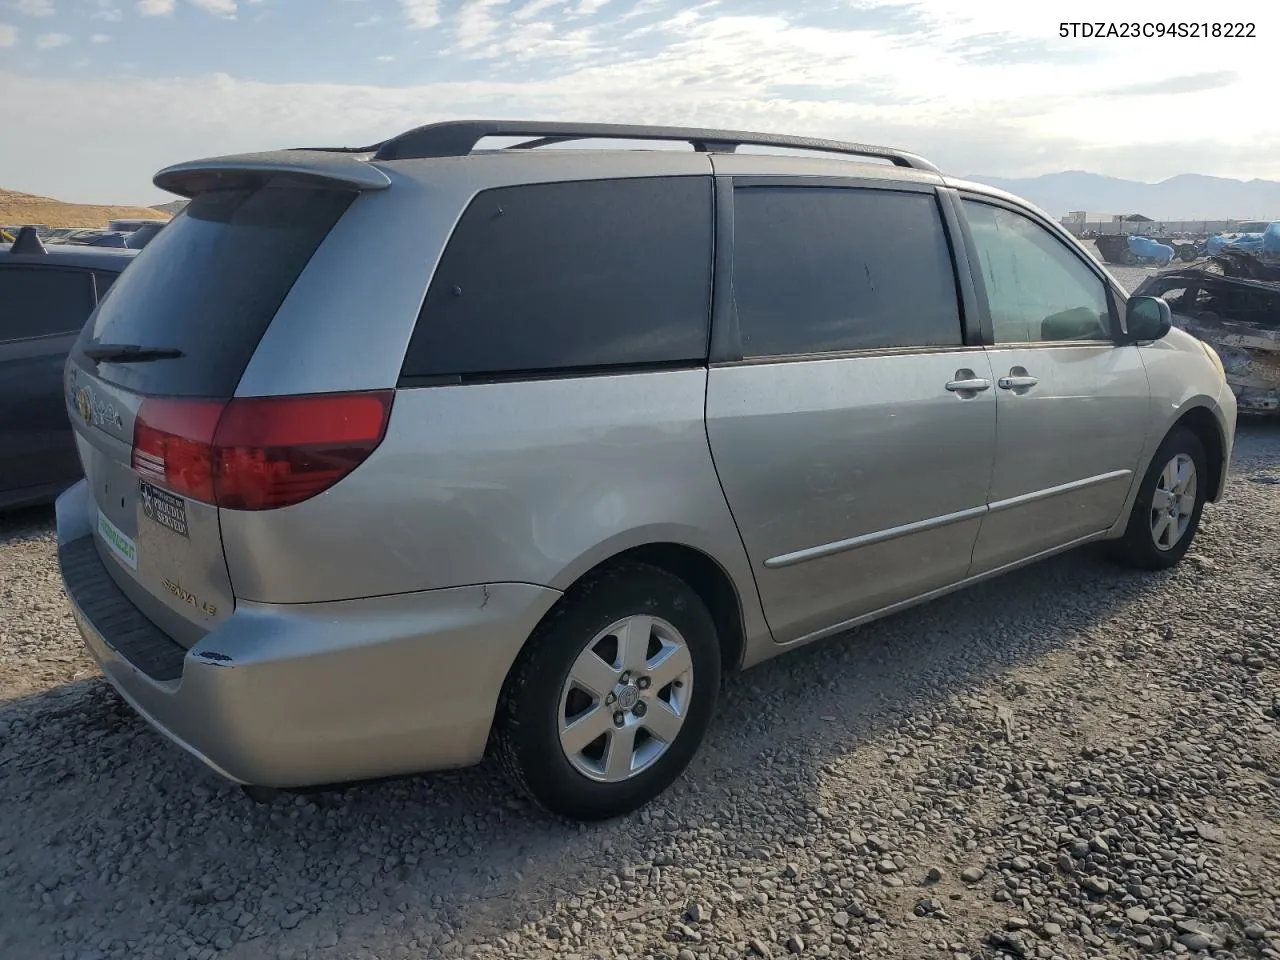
{"points": [[1072, 406], [852, 426], [42, 310]]}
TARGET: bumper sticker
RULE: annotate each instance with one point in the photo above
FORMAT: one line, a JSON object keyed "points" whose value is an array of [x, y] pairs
{"points": [[164, 508], [126, 550]]}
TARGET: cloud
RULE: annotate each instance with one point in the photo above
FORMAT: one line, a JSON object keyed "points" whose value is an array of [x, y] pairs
{"points": [[32, 8], [1187, 83], [476, 23], [968, 86], [100, 38], [532, 8], [107, 10], [222, 8], [48, 41], [421, 14], [385, 57], [8, 35], [997, 49], [162, 8]]}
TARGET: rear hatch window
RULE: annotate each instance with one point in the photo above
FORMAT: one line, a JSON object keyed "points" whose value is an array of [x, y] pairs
{"points": [[208, 285]]}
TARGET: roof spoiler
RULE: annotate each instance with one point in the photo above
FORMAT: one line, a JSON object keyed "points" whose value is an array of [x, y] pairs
{"points": [[28, 241], [306, 166]]}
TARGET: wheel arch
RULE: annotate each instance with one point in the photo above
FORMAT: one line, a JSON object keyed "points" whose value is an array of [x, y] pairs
{"points": [[1202, 422], [704, 575], [709, 580], [1199, 414]]}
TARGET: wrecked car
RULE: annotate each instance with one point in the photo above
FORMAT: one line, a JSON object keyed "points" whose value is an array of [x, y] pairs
{"points": [[1265, 241], [1133, 250], [1232, 304]]}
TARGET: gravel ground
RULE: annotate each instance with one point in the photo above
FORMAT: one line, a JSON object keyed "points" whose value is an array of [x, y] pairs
{"points": [[1073, 761]]}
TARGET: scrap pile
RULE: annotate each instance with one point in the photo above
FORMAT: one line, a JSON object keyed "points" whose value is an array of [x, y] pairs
{"points": [[1232, 303]]}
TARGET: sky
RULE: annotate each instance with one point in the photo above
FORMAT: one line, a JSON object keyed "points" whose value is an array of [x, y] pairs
{"points": [[97, 95]]}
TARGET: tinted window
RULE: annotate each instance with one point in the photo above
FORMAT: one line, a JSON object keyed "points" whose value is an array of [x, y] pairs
{"points": [[1037, 289], [571, 275], [209, 283], [819, 269], [39, 301]]}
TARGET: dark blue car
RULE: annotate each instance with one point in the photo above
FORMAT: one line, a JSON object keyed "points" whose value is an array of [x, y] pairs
{"points": [[46, 295]]}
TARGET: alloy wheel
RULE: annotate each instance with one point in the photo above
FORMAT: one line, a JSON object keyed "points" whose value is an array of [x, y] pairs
{"points": [[626, 698], [1173, 502]]}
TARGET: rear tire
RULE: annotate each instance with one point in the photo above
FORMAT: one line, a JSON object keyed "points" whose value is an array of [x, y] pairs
{"points": [[1166, 512], [633, 643]]}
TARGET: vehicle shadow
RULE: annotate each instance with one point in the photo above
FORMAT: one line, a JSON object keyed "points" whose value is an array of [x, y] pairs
{"points": [[112, 835], [25, 523]]}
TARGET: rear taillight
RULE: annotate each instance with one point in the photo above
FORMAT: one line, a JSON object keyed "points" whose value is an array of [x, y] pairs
{"points": [[173, 444], [256, 453]]}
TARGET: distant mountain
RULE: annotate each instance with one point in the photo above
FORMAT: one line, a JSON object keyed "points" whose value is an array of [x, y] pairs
{"points": [[1188, 196]]}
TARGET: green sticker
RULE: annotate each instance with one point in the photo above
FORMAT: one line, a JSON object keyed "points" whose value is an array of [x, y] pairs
{"points": [[120, 545]]}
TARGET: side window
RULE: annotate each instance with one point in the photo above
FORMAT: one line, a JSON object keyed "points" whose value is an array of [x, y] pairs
{"points": [[551, 276], [42, 301], [827, 269], [1037, 289]]}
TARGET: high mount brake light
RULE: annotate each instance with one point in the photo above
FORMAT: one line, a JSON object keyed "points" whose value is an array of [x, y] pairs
{"points": [[257, 453]]}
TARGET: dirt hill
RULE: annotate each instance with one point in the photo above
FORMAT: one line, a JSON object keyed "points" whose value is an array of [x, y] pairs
{"points": [[22, 208]]}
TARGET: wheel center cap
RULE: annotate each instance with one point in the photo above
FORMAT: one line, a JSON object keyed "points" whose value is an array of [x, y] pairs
{"points": [[628, 697]]}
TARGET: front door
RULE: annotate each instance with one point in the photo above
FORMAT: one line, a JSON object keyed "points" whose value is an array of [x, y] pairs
{"points": [[1071, 405], [854, 431]]}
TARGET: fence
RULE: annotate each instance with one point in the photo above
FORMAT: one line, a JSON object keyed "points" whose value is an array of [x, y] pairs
{"points": [[1159, 228]]}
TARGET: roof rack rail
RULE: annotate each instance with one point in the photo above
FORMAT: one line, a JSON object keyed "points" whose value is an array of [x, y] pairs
{"points": [[457, 138]]}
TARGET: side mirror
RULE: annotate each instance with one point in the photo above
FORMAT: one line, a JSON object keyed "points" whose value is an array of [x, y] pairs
{"points": [[1147, 319]]}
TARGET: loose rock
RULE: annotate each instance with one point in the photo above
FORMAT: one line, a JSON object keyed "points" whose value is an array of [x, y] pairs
{"points": [[1130, 810]]}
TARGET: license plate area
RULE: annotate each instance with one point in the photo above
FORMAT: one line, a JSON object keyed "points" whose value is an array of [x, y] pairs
{"points": [[164, 508]]}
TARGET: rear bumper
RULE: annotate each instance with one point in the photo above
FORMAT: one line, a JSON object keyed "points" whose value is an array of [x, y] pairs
{"points": [[304, 694]]}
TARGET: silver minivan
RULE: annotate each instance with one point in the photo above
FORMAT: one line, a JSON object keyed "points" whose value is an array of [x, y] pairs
{"points": [[401, 455]]}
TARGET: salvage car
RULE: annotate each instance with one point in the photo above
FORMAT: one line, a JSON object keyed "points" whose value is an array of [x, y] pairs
{"points": [[1233, 305], [46, 295], [402, 454]]}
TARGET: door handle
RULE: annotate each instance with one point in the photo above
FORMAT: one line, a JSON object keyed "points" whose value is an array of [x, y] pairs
{"points": [[972, 385], [1016, 383]]}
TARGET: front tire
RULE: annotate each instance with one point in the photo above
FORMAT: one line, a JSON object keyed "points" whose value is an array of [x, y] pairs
{"points": [[1166, 513], [612, 695]]}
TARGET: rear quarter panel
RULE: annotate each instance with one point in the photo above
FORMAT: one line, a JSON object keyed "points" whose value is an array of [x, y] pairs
{"points": [[533, 482]]}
